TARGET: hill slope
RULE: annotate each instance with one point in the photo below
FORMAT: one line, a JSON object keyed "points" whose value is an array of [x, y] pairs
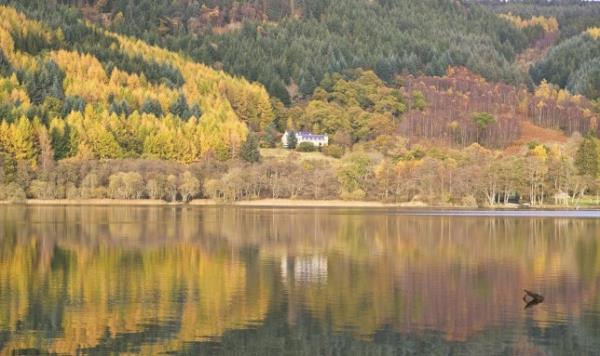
{"points": [[108, 96], [293, 44]]}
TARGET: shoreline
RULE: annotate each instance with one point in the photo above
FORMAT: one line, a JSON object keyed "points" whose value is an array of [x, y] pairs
{"points": [[93, 202], [288, 203]]}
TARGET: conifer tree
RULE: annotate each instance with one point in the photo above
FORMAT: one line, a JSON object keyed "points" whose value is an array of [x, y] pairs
{"points": [[292, 141], [250, 151], [5, 67], [180, 108], [60, 141], [588, 156], [152, 106]]}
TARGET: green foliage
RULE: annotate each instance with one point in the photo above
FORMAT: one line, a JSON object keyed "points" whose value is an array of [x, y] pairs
{"points": [[335, 151], [574, 16], [47, 81], [8, 168], [61, 142], [418, 100], [483, 119], [586, 80], [572, 64], [587, 159], [306, 147], [180, 108], [71, 104], [292, 140], [120, 107], [250, 150], [353, 173], [359, 104], [5, 66], [151, 106], [387, 36]]}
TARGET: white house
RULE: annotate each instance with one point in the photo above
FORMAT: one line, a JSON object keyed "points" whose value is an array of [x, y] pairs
{"points": [[303, 136]]}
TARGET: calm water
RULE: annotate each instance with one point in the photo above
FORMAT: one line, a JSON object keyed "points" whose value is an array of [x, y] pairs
{"points": [[310, 281]]}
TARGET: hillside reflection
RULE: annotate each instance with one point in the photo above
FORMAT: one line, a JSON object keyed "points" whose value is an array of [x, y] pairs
{"points": [[192, 280]]}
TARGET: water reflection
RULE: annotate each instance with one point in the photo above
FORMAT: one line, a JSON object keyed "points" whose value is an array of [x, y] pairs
{"points": [[210, 280]]}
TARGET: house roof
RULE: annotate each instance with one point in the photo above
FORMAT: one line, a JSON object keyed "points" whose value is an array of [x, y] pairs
{"points": [[307, 135]]}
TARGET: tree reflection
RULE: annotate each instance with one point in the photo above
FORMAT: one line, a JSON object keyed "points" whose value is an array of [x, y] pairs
{"points": [[149, 280]]}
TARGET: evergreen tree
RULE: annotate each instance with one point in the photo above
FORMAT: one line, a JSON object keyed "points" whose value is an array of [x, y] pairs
{"points": [[5, 66], [61, 142], [8, 167], [307, 85], [588, 156], [72, 103], [120, 108], [180, 108], [250, 150], [152, 106], [195, 111], [45, 81], [586, 80], [292, 141]]}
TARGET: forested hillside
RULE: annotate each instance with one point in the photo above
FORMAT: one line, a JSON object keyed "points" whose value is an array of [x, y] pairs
{"points": [[429, 101], [290, 45], [573, 62], [86, 93]]}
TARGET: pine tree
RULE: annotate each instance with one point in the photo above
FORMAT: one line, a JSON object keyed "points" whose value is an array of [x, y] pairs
{"points": [[72, 103], [61, 142], [250, 151], [8, 167], [195, 111], [588, 156], [180, 108], [307, 84], [152, 106], [5, 67], [292, 140]]}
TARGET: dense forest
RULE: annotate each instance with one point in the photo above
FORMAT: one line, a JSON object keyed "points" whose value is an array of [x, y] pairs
{"points": [[290, 53], [428, 101]]}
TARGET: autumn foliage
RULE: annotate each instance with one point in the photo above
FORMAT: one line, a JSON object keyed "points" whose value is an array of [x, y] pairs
{"points": [[113, 112]]}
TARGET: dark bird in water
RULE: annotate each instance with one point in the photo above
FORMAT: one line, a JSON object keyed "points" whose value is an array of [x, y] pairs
{"points": [[532, 298]]}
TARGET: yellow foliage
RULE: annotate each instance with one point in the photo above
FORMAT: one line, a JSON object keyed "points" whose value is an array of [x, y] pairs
{"points": [[229, 106], [549, 24], [540, 152], [593, 32], [19, 139], [13, 21], [11, 91]]}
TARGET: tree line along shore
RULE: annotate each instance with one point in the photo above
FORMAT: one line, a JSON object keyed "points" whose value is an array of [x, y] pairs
{"points": [[539, 176]]}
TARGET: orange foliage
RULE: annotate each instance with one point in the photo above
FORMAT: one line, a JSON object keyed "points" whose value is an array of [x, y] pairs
{"points": [[451, 101]]}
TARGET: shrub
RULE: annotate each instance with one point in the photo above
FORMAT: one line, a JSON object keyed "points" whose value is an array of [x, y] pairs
{"points": [[335, 151], [71, 191], [469, 201], [39, 189], [306, 147], [12, 193], [357, 194], [128, 185]]}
